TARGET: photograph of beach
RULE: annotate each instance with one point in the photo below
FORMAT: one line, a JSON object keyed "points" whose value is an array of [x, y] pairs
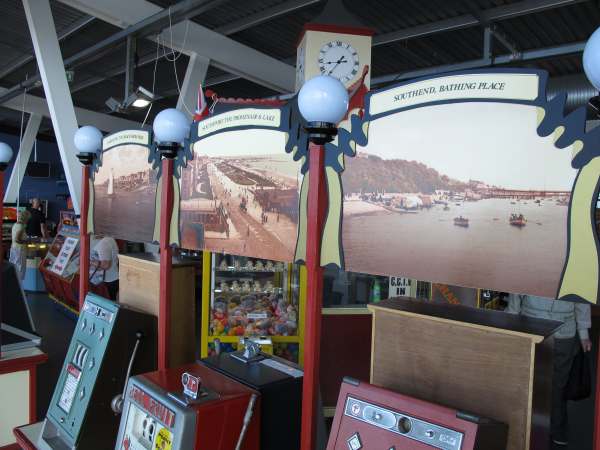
{"points": [[465, 194], [124, 194], [239, 195]]}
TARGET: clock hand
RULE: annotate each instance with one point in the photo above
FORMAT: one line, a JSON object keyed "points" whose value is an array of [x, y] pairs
{"points": [[339, 61], [336, 62]]}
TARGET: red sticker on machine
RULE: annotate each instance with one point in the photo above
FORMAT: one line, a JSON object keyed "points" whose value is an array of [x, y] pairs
{"points": [[152, 406]]}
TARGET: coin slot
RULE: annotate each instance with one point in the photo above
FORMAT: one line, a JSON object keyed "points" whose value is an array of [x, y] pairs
{"points": [[404, 425]]}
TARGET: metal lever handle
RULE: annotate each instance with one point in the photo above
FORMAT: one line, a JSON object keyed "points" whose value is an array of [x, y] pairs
{"points": [[247, 419], [117, 402]]}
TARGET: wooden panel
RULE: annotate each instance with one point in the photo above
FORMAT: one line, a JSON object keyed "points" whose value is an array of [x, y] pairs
{"points": [[183, 317], [464, 367], [498, 321], [138, 284], [139, 280], [14, 407], [345, 351]]}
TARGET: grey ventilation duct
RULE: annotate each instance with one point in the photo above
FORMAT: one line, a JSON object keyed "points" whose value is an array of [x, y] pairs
{"points": [[578, 89]]}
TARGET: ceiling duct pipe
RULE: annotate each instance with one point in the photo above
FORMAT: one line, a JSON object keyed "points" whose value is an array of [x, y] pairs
{"points": [[578, 89]]}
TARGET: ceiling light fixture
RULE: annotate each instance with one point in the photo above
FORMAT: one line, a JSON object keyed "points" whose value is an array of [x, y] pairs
{"points": [[140, 98]]}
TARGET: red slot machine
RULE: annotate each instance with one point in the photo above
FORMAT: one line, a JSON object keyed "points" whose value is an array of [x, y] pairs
{"points": [[373, 418], [188, 408]]}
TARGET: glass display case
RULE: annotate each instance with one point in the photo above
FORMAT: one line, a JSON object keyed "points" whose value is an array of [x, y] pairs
{"points": [[251, 297]]}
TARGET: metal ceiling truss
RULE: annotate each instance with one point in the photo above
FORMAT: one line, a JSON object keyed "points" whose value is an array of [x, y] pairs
{"points": [[69, 31], [223, 52], [491, 30], [190, 8], [151, 25], [527, 55]]}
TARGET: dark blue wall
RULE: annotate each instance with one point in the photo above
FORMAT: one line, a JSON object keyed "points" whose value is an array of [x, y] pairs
{"points": [[45, 188]]}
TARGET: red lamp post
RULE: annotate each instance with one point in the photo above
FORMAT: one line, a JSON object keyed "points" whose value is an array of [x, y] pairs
{"points": [[5, 156], [171, 128], [323, 102], [88, 142]]}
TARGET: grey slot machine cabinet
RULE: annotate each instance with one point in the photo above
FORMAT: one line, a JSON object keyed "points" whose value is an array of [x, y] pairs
{"points": [[108, 340]]}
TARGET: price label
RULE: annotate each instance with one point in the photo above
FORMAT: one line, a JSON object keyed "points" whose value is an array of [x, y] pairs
{"points": [[70, 388]]}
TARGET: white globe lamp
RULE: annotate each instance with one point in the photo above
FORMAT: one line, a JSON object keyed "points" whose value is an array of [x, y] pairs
{"points": [[591, 67], [323, 102], [591, 59], [171, 127], [6, 154], [88, 142]]}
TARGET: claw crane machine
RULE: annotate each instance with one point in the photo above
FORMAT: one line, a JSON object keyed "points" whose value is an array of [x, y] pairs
{"points": [[252, 297]]}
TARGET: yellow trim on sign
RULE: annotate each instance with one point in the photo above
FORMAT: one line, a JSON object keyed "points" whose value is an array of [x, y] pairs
{"points": [[206, 269]]}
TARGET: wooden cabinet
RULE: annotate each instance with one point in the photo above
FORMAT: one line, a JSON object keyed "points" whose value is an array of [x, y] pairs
{"points": [[490, 363], [139, 280]]}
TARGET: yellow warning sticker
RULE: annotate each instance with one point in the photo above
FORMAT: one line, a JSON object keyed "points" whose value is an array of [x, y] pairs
{"points": [[164, 440]]}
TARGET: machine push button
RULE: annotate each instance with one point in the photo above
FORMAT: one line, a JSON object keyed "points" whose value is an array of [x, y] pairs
{"points": [[354, 442]]}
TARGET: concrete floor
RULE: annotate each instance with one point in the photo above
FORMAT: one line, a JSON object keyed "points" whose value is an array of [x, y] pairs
{"points": [[56, 327]]}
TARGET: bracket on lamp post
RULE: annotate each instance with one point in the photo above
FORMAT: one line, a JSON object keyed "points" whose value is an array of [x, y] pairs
{"points": [[321, 133], [87, 159], [168, 149]]}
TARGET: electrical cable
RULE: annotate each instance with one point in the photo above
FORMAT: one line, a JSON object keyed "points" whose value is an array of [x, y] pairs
{"points": [[185, 35], [153, 79]]}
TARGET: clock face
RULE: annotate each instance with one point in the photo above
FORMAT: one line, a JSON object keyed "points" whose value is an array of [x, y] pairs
{"points": [[339, 60]]}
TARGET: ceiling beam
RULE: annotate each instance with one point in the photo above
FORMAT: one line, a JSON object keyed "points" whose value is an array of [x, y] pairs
{"points": [[189, 37], [469, 20], [266, 15], [234, 27], [528, 55], [70, 30], [144, 27], [39, 106]]}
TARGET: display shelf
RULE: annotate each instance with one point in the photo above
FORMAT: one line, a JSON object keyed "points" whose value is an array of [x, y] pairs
{"points": [[247, 271], [242, 302]]}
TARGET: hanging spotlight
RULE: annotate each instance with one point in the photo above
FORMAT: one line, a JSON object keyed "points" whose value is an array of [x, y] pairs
{"points": [[140, 98]]}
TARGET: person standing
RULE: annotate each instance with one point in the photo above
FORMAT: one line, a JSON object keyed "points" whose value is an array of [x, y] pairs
{"points": [[105, 257], [18, 250], [36, 227], [577, 320]]}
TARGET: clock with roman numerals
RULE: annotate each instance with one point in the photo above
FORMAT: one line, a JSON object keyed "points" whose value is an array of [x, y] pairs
{"points": [[339, 60]]}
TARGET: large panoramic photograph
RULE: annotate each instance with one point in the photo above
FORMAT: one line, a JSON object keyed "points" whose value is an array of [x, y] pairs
{"points": [[124, 194], [467, 193], [239, 195]]}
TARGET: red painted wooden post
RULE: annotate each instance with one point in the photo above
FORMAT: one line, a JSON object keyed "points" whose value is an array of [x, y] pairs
{"points": [[1, 213], [1, 241], [317, 207], [597, 404], [84, 237], [166, 254]]}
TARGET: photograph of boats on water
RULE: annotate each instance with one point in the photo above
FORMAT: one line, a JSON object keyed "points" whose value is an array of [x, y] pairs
{"points": [[466, 194], [124, 194], [239, 195]]}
